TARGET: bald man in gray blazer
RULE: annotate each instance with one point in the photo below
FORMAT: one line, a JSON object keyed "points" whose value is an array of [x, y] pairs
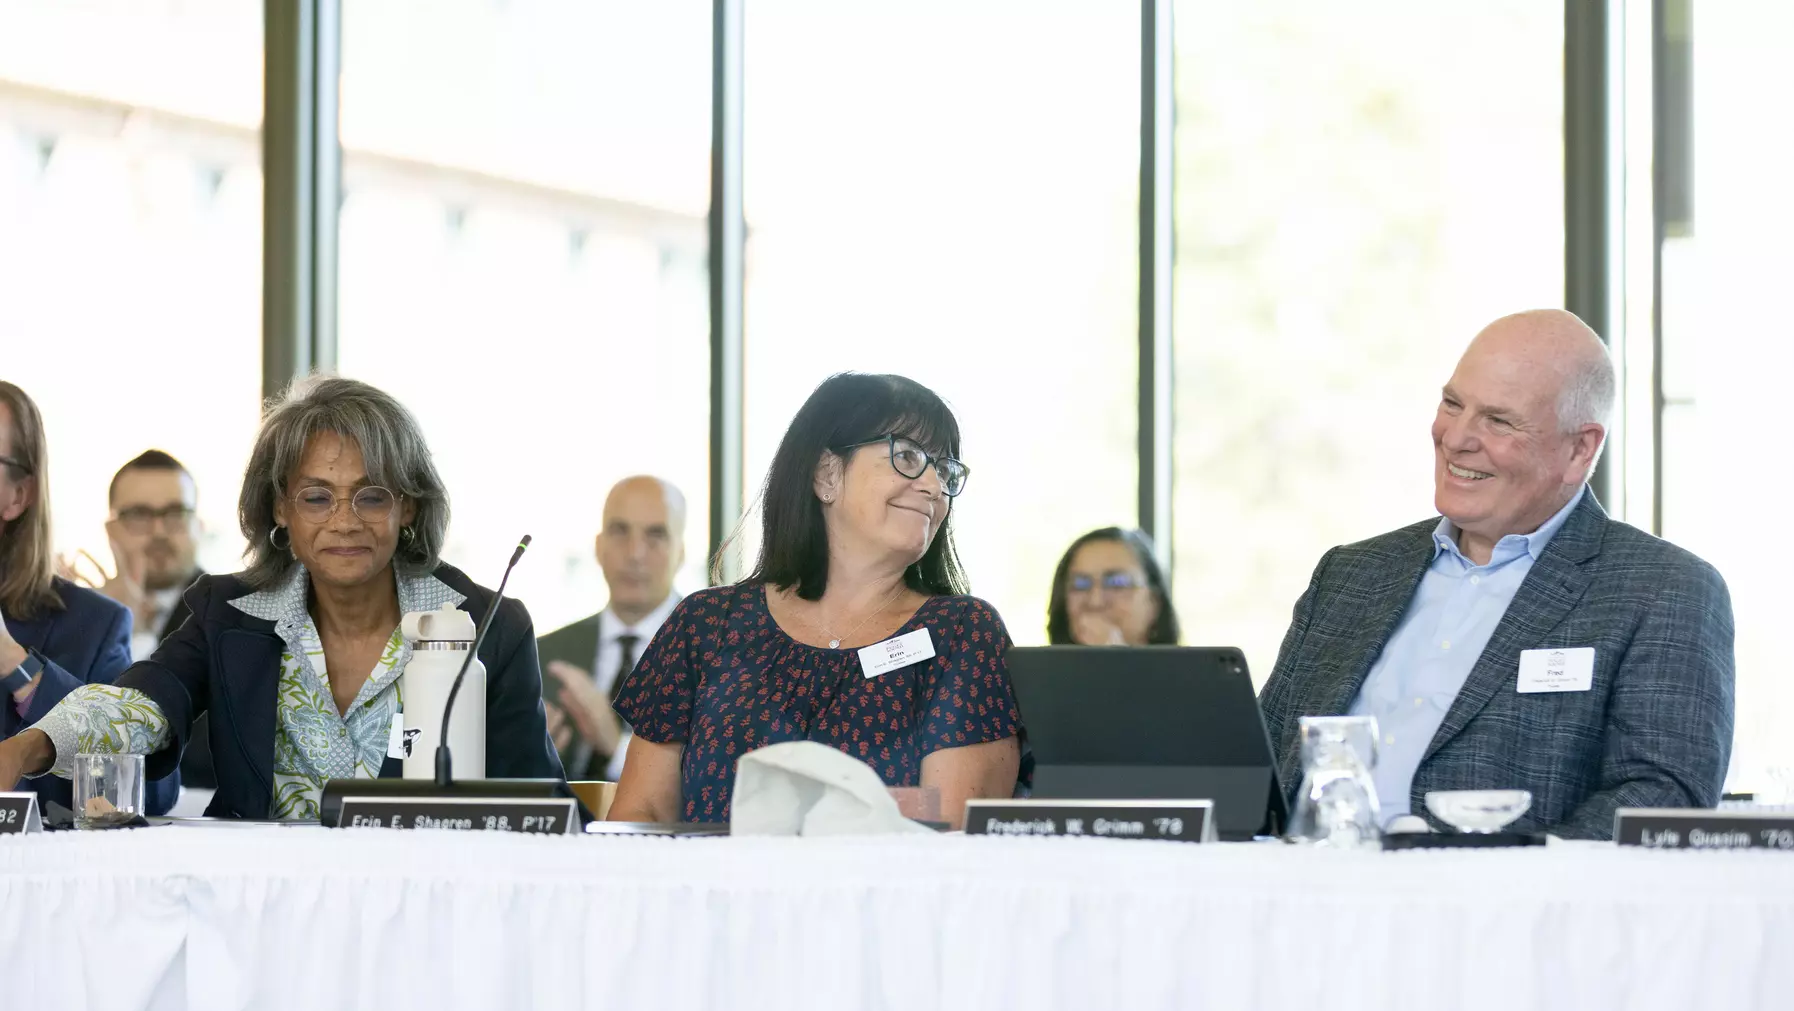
{"points": [[1523, 639]]}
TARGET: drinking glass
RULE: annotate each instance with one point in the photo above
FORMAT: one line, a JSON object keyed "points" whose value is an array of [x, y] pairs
{"points": [[1337, 805], [108, 790]]}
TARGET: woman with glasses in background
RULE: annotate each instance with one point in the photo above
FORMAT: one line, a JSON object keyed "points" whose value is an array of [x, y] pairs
{"points": [[298, 658], [1110, 591], [857, 549]]}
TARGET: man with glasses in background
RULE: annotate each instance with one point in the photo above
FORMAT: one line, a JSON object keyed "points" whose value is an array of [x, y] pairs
{"points": [[154, 533]]}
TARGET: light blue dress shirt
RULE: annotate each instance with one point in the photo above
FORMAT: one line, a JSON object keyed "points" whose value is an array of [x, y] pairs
{"points": [[1437, 642]]}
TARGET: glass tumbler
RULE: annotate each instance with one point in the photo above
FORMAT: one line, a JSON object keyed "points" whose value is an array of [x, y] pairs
{"points": [[108, 790], [1337, 806]]}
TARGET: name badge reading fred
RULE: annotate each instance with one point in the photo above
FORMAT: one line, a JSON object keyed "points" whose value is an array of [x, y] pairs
{"points": [[898, 652], [1556, 670]]}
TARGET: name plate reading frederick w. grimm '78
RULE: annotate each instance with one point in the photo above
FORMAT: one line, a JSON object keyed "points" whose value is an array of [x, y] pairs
{"points": [[1703, 829], [1176, 820], [539, 816], [18, 814]]}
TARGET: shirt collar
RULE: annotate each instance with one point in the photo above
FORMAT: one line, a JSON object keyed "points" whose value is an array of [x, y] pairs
{"points": [[1445, 536], [610, 626], [284, 605]]}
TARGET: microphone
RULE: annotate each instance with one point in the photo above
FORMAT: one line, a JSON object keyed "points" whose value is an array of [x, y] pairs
{"points": [[444, 763]]}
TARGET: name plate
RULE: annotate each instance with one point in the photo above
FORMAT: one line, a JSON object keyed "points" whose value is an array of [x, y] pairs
{"points": [[1701, 829], [18, 814], [1176, 820], [535, 815]]}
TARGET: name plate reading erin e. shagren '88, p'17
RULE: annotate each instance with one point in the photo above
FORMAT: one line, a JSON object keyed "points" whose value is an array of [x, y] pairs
{"points": [[1174, 820], [537, 816]]}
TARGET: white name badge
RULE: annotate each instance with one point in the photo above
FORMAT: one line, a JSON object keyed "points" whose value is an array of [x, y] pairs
{"points": [[1556, 670], [894, 653]]}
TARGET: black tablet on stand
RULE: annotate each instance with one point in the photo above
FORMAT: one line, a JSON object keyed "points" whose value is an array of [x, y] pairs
{"points": [[1150, 722]]}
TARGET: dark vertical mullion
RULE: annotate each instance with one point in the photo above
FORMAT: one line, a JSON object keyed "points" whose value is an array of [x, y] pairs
{"points": [[1155, 254], [301, 188], [1672, 210], [1590, 262], [728, 235]]}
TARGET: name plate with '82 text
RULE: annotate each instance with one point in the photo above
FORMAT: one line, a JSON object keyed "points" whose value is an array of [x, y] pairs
{"points": [[537, 816], [18, 814], [1175, 820], [1703, 829]]}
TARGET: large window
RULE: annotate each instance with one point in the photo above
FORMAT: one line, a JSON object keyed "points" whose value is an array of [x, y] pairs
{"points": [[1360, 187], [948, 191], [523, 262], [130, 245], [1726, 347]]}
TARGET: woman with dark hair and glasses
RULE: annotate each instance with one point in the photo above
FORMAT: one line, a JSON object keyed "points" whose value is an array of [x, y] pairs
{"points": [[55, 636], [298, 658], [1109, 591], [857, 550]]}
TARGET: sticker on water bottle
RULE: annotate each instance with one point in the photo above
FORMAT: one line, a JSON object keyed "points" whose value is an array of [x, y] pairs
{"points": [[398, 739]]}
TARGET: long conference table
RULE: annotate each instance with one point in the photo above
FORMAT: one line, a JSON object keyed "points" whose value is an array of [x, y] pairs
{"points": [[272, 917]]}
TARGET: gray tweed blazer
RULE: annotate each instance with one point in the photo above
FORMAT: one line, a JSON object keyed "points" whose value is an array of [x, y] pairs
{"points": [[1654, 731]]}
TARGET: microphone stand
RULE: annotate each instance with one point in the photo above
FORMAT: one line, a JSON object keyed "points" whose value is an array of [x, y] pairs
{"points": [[444, 763]]}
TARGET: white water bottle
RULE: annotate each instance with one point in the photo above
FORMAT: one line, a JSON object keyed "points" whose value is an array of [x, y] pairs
{"points": [[439, 641]]}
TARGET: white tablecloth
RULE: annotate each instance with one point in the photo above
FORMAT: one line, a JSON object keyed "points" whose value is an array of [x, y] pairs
{"points": [[308, 918]]}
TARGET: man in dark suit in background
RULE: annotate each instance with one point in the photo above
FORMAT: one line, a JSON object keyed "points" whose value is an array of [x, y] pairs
{"points": [[54, 636], [1524, 640], [640, 547], [154, 531]]}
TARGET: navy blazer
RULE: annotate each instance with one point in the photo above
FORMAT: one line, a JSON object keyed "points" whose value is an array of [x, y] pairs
{"points": [[87, 642], [1653, 730], [226, 663]]}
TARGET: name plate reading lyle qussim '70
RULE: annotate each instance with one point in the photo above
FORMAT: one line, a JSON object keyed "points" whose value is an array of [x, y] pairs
{"points": [[1704, 829], [1175, 820]]}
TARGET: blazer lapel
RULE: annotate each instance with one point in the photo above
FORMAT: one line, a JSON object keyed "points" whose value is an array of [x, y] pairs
{"points": [[177, 615], [248, 665], [578, 644], [1551, 590], [1341, 667], [1387, 596]]}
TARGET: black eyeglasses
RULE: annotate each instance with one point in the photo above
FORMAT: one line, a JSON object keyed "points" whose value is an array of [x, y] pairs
{"points": [[911, 460], [370, 505], [18, 465], [141, 519]]}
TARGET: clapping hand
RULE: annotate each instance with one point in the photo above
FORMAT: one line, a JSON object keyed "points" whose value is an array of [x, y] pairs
{"points": [[125, 586], [587, 707]]}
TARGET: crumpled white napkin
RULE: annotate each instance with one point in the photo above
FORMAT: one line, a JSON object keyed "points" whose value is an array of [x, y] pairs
{"points": [[806, 788]]}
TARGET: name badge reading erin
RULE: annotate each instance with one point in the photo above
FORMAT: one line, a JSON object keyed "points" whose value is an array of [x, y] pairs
{"points": [[898, 652], [1556, 670]]}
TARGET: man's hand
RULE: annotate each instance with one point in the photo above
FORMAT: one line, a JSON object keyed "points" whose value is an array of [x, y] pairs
{"points": [[125, 586], [587, 707], [560, 730]]}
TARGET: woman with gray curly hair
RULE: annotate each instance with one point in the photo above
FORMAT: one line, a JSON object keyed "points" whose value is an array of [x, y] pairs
{"points": [[298, 658]]}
